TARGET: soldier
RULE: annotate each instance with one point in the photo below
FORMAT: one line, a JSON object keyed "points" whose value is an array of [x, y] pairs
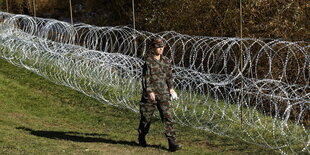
{"points": [[157, 85]]}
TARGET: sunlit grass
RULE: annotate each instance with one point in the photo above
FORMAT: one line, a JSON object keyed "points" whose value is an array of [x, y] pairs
{"points": [[196, 110]]}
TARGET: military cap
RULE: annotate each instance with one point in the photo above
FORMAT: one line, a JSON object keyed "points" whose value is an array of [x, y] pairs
{"points": [[158, 42]]}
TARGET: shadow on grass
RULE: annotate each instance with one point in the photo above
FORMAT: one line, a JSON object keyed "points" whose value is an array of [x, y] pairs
{"points": [[81, 137]]}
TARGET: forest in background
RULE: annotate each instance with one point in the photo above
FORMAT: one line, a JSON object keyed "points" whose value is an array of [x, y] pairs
{"points": [[279, 19]]}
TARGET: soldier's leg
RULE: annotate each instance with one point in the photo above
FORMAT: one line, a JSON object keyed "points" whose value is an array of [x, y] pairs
{"points": [[165, 114], [166, 117], [146, 111]]}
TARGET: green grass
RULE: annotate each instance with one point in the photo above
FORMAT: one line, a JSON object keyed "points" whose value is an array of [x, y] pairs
{"points": [[117, 88], [39, 117]]}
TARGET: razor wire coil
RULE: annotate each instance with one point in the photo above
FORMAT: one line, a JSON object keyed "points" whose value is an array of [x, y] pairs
{"points": [[271, 85]]}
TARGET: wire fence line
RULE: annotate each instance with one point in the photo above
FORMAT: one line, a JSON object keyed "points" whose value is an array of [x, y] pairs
{"points": [[265, 100]]}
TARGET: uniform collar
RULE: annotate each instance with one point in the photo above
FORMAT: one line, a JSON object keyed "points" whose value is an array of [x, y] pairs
{"points": [[156, 59], [160, 61]]}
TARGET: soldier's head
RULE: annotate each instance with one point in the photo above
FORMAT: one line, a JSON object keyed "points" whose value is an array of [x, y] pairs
{"points": [[158, 45]]}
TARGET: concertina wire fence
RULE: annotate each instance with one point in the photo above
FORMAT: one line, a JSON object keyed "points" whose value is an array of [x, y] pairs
{"points": [[256, 90]]}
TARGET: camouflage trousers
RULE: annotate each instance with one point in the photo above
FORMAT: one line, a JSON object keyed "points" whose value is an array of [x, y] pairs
{"points": [[147, 109]]}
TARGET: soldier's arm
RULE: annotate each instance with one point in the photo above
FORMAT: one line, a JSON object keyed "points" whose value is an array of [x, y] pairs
{"points": [[147, 77], [169, 79]]}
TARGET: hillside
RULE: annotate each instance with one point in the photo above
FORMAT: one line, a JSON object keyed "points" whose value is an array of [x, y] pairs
{"points": [[39, 117], [37, 111]]}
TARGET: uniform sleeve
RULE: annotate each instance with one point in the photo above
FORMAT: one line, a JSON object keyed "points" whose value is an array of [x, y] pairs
{"points": [[147, 77], [169, 79]]}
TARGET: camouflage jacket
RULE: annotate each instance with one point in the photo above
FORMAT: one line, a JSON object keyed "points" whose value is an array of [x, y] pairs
{"points": [[157, 76]]}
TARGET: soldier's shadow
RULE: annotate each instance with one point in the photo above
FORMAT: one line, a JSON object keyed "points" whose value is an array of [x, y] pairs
{"points": [[81, 137]]}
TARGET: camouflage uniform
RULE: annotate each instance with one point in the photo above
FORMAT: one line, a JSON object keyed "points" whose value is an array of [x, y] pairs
{"points": [[157, 78]]}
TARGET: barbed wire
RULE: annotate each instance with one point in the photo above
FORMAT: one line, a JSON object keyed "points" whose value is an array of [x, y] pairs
{"points": [[271, 85]]}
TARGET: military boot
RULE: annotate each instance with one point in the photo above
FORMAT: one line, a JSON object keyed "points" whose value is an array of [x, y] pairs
{"points": [[173, 146], [141, 139]]}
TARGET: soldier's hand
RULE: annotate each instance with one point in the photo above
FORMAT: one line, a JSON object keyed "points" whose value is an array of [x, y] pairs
{"points": [[174, 95], [152, 96], [172, 91]]}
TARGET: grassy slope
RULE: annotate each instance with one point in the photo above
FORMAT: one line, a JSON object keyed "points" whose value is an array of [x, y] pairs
{"points": [[39, 117]]}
